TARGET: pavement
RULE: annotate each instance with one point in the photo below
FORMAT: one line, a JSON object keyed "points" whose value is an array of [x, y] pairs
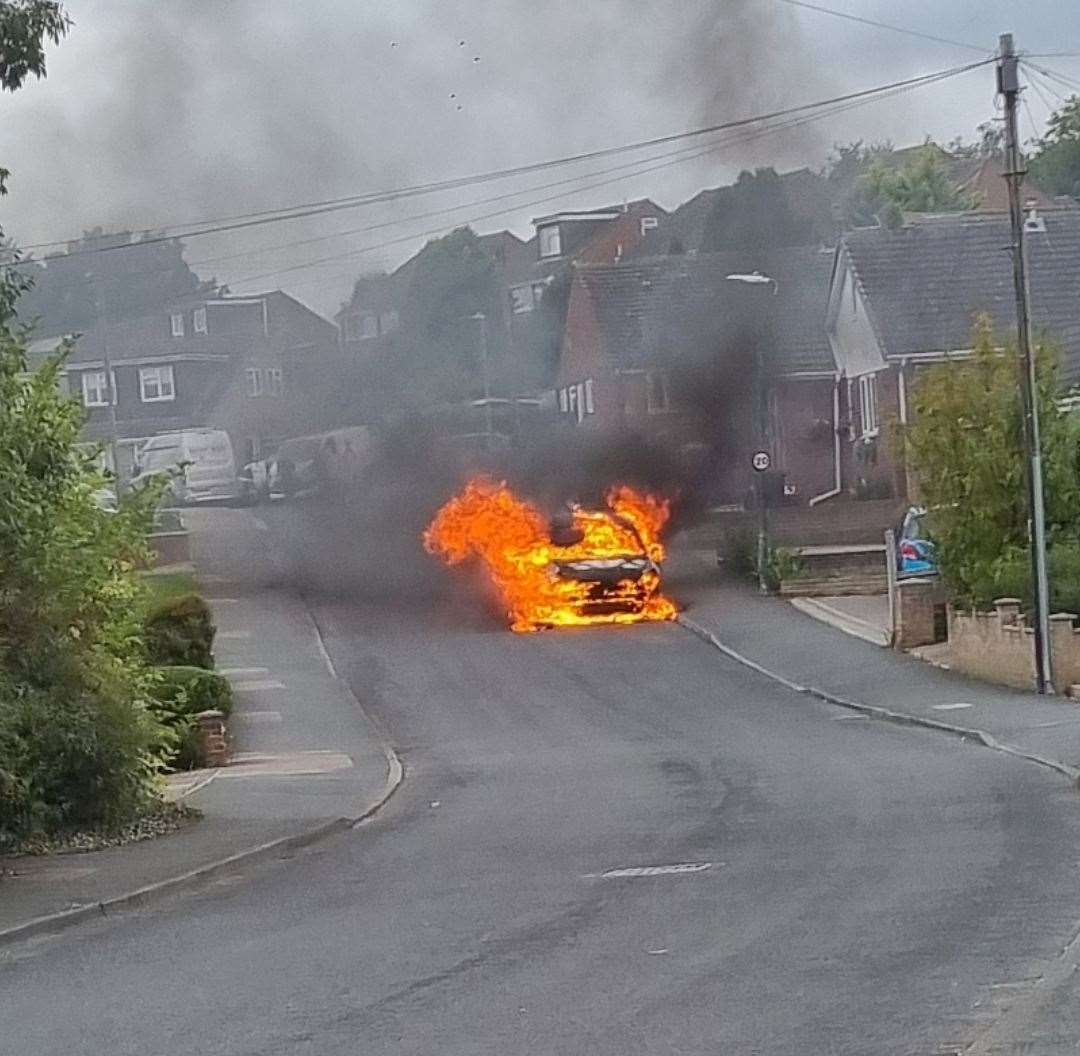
{"points": [[612, 840], [307, 760], [806, 651], [864, 616]]}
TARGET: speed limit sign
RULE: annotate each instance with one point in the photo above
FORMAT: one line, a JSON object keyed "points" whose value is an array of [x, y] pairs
{"points": [[761, 461]]}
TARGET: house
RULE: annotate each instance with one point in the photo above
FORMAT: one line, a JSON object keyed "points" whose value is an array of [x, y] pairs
{"points": [[699, 353], [259, 367], [760, 210], [900, 300]]}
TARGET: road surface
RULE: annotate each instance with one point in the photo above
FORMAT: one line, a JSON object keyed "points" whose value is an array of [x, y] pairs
{"points": [[844, 886]]}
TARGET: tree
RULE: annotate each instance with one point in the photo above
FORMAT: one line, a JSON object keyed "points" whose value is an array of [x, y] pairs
{"points": [[923, 185], [144, 276], [25, 26], [966, 448], [1055, 163], [453, 281], [78, 739]]}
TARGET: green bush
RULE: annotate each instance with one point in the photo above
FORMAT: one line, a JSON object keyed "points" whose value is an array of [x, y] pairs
{"points": [[180, 631], [74, 760], [181, 694], [1010, 577], [736, 551]]}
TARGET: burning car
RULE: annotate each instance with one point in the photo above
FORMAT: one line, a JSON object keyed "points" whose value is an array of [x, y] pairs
{"points": [[585, 566]]}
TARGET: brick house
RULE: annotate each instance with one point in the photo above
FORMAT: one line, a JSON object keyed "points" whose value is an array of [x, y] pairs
{"points": [[901, 300], [259, 367], [669, 348]]}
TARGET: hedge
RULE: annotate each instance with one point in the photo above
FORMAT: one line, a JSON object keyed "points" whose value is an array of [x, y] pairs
{"points": [[182, 692]]}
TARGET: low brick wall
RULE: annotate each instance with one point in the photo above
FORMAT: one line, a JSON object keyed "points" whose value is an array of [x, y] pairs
{"points": [[918, 603], [169, 548], [999, 646]]}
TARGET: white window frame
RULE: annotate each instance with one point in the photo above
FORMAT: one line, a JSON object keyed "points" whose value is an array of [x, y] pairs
{"points": [[564, 401], [176, 324], [254, 376], [102, 388], [274, 381], [649, 223], [389, 321], [162, 378], [868, 408], [589, 406], [198, 321], [550, 241], [652, 377]]}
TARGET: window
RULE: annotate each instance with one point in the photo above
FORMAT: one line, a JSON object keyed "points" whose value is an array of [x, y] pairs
{"points": [[563, 401], [589, 408], [176, 320], [648, 223], [868, 404], [273, 381], [156, 384], [521, 299], [388, 321], [656, 392], [254, 381], [95, 392], [550, 241], [198, 321]]}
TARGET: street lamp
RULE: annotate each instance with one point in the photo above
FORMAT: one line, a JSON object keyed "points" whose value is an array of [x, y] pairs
{"points": [[761, 456]]}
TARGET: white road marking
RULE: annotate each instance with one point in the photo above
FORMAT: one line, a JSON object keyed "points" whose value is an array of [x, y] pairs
{"points": [[260, 524], [257, 684], [234, 636], [258, 716], [223, 601], [655, 952], [634, 871], [232, 672], [951, 707]]}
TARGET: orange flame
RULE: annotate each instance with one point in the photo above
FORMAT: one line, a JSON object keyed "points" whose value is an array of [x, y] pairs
{"points": [[512, 538]]}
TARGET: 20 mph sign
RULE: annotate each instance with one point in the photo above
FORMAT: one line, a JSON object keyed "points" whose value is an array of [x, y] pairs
{"points": [[762, 461]]}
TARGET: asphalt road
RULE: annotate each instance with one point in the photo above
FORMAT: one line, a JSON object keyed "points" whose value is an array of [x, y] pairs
{"points": [[869, 889]]}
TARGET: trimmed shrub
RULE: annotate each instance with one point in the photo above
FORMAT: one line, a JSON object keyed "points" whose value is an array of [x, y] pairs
{"points": [[182, 692], [68, 761], [180, 632]]}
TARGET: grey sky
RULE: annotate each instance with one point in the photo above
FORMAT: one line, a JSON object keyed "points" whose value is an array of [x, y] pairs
{"points": [[178, 110]]}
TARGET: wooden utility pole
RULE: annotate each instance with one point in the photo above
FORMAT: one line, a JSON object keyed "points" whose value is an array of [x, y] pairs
{"points": [[1008, 86]]}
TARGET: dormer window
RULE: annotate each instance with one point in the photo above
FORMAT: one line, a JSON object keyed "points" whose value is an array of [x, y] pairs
{"points": [[550, 241]]}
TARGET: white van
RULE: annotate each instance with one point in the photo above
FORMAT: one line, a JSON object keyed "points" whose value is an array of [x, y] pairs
{"points": [[205, 457]]}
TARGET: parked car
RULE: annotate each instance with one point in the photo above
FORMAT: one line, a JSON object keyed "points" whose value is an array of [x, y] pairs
{"points": [[199, 462], [915, 554]]}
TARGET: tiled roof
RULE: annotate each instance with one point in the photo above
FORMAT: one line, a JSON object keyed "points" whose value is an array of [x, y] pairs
{"points": [[664, 307], [925, 283]]}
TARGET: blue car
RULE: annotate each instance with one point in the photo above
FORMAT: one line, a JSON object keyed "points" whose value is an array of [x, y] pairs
{"points": [[914, 552]]}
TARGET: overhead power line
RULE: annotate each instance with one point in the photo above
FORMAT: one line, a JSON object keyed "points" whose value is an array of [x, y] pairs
{"points": [[847, 16], [743, 136], [336, 205]]}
